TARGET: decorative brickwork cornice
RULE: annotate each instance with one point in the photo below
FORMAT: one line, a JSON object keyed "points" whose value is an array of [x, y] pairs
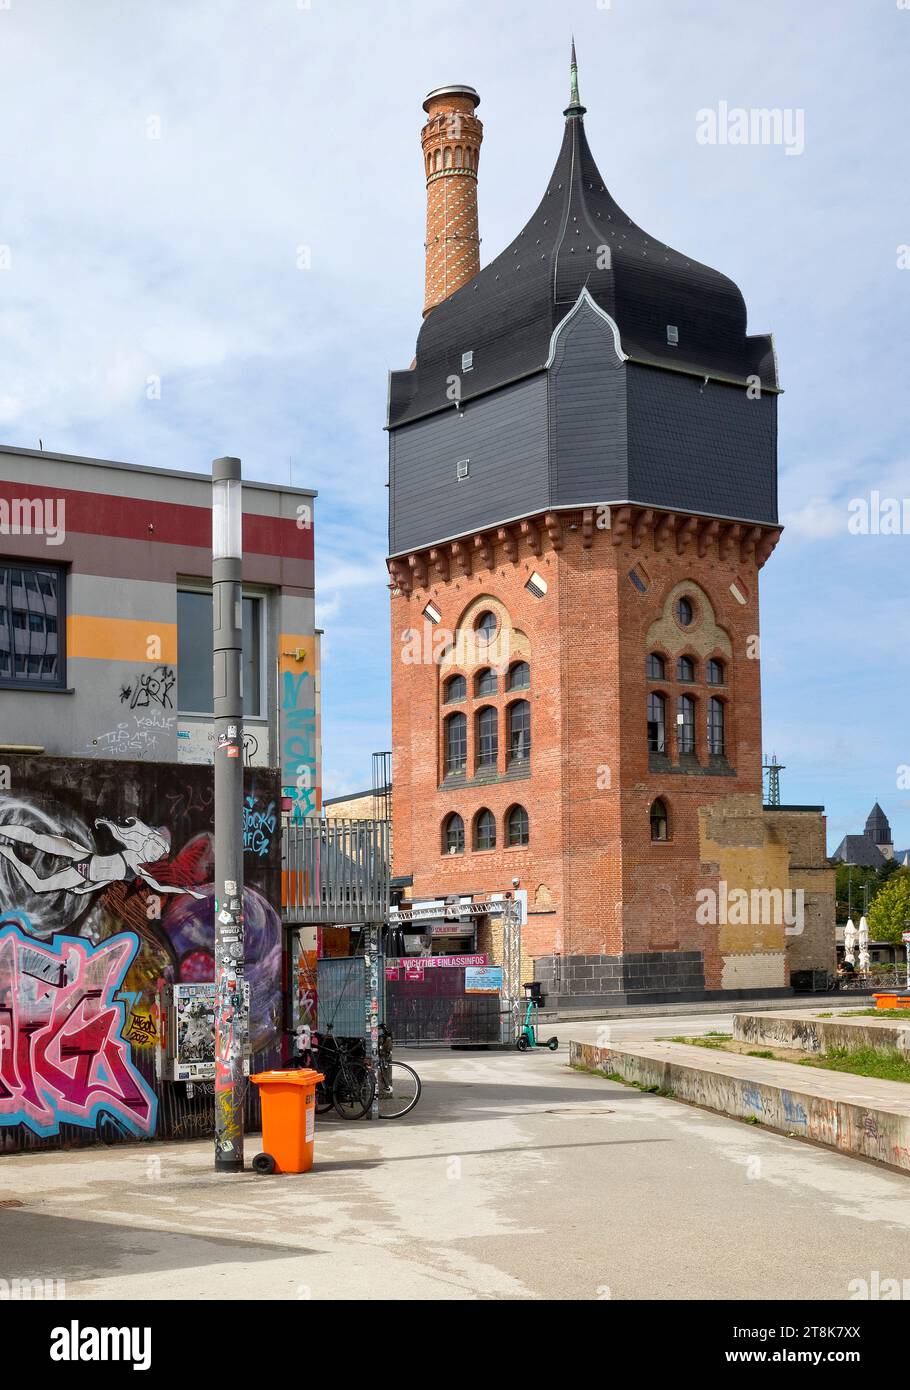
{"points": [[642, 527]]}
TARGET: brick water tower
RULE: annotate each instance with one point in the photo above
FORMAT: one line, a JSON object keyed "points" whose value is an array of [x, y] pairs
{"points": [[583, 490]]}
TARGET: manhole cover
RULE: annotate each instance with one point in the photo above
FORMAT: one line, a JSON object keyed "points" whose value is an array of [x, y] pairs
{"points": [[576, 1110]]}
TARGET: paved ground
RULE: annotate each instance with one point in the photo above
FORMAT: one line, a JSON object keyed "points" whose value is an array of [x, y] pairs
{"points": [[514, 1178]]}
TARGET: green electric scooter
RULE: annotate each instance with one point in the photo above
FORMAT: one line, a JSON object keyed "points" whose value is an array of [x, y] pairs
{"points": [[527, 1033]]}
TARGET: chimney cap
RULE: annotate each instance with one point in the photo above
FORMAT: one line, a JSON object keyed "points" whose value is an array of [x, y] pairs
{"points": [[457, 88]]}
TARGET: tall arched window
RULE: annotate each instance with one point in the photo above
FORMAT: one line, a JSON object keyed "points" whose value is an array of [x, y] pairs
{"points": [[659, 821], [716, 672], [657, 723], [485, 682], [487, 737], [654, 667], [716, 737], [685, 669], [484, 830], [453, 834], [517, 826], [685, 724], [456, 688], [519, 732], [456, 742], [519, 677]]}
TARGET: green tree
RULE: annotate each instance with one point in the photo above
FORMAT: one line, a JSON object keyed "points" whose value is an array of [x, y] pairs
{"points": [[850, 882], [889, 915]]}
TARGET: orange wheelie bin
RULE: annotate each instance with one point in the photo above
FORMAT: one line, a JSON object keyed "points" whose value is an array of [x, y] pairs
{"points": [[288, 1120]]}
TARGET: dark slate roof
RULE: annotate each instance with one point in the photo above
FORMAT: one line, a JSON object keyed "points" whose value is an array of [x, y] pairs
{"points": [[876, 819], [859, 850], [507, 313]]}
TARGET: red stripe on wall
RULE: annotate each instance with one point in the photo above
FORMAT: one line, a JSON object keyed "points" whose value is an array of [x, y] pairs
{"points": [[173, 523]]}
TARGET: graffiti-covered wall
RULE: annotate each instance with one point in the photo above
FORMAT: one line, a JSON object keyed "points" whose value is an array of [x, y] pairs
{"points": [[106, 897]]}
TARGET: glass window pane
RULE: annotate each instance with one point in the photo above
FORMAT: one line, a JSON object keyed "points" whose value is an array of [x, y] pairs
{"points": [[194, 653]]}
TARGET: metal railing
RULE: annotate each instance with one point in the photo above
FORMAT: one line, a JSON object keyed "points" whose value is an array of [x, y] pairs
{"points": [[335, 872]]}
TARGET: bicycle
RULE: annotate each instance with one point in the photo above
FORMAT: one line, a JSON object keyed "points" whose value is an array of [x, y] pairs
{"points": [[349, 1085], [399, 1084]]}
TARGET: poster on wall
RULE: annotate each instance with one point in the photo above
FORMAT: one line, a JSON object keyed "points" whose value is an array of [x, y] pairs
{"points": [[483, 979]]}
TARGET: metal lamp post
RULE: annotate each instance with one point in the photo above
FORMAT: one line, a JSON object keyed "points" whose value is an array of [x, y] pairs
{"points": [[227, 618]]}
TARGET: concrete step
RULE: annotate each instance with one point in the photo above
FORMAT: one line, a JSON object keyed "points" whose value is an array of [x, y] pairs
{"points": [[704, 1006], [805, 1030], [856, 1115]]}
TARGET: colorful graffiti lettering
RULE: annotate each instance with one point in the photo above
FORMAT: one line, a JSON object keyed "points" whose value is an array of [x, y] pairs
{"points": [[63, 1056], [298, 749], [258, 826]]}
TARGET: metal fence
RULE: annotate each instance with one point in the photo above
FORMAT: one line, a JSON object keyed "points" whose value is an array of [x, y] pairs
{"points": [[335, 872], [341, 995]]}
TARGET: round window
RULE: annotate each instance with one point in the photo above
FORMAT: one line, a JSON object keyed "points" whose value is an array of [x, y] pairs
{"points": [[684, 612], [486, 626]]}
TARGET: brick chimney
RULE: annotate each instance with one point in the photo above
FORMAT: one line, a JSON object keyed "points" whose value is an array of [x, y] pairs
{"points": [[451, 142]]}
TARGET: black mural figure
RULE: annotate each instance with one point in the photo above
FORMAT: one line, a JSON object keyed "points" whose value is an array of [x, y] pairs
{"points": [[87, 871]]}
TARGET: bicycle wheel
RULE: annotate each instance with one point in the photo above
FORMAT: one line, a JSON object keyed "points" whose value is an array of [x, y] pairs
{"points": [[324, 1101], [352, 1093], [399, 1090]]}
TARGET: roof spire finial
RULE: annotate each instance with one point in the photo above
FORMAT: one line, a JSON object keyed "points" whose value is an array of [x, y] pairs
{"points": [[574, 107]]}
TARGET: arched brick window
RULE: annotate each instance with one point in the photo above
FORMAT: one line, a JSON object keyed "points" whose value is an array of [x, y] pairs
{"points": [[660, 821], [456, 743], [487, 737], [657, 722], [519, 716], [453, 834], [685, 724], [484, 830], [517, 826], [717, 742]]}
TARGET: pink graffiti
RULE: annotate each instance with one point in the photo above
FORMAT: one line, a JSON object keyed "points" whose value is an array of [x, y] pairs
{"points": [[63, 1057]]}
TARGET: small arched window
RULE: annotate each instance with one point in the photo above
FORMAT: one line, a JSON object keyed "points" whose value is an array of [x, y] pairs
{"points": [[456, 688], [716, 735], [519, 676], [517, 826], [717, 674], [486, 626], [487, 737], [437, 161], [659, 821], [453, 834], [685, 724], [519, 732], [657, 723], [485, 830], [654, 667], [685, 669], [459, 157], [448, 158], [485, 682], [456, 743]]}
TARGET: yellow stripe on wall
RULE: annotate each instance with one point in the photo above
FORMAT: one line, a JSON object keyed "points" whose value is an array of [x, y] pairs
{"points": [[121, 639]]}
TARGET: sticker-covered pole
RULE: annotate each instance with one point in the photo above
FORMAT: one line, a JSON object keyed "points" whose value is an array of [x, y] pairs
{"points": [[227, 617]]}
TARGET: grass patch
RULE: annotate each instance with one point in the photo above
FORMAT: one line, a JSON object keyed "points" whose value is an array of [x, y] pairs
{"points": [[829, 1014], [886, 1064], [712, 1040], [875, 1013], [760, 1054], [623, 1080]]}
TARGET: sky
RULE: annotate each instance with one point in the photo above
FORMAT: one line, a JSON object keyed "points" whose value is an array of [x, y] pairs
{"points": [[227, 195]]}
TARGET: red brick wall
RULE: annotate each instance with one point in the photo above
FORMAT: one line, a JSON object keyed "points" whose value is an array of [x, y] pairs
{"points": [[590, 788]]}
